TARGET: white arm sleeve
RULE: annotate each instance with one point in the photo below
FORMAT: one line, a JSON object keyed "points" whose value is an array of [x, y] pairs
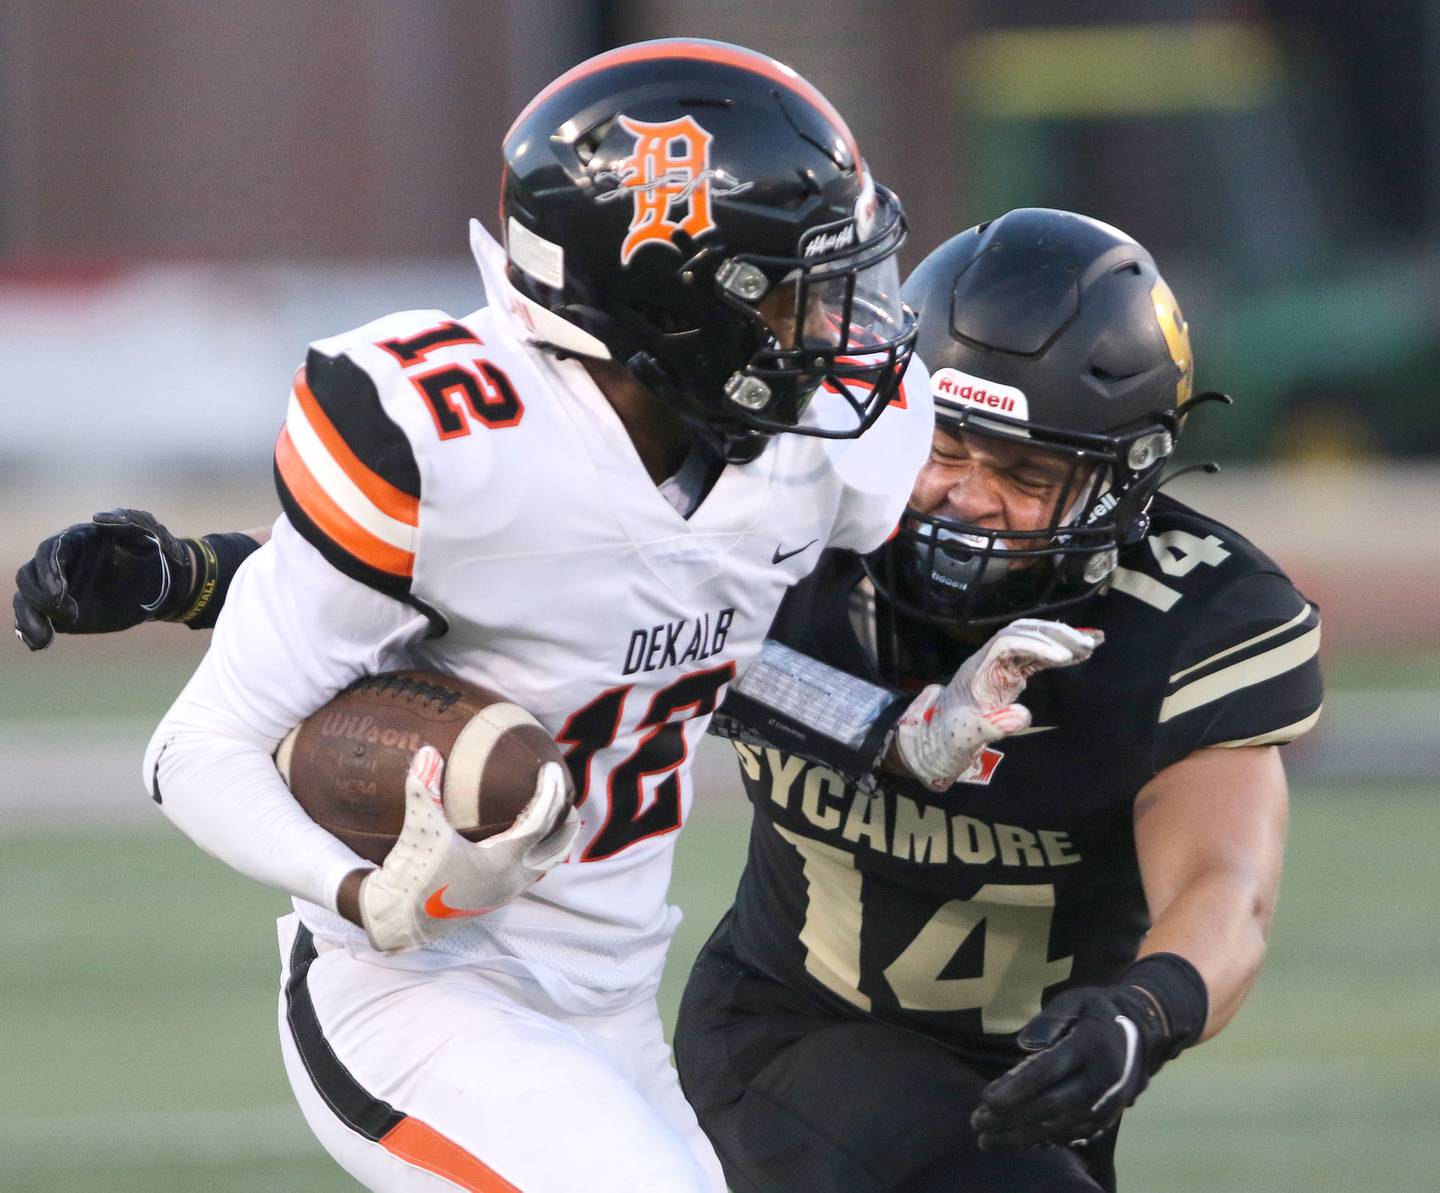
{"points": [[293, 632]]}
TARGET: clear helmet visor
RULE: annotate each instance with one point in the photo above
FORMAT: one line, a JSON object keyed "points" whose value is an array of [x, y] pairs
{"points": [[841, 292], [830, 316], [852, 306]]}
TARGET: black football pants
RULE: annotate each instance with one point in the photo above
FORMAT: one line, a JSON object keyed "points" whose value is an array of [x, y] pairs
{"points": [[798, 1101]]}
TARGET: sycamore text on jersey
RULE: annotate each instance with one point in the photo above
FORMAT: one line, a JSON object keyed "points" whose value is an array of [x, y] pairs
{"points": [[914, 832]]}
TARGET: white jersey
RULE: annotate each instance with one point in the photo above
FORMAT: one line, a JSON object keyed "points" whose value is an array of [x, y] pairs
{"points": [[491, 493]]}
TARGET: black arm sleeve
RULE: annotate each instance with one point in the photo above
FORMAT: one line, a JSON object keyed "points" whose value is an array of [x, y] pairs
{"points": [[220, 558]]}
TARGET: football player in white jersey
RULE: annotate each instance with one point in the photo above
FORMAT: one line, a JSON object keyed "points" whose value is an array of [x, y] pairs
{"points": [[590, 495]]}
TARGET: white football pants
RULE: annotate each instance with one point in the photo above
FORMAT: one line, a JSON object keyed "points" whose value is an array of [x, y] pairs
{"points": [[451, 1079]]}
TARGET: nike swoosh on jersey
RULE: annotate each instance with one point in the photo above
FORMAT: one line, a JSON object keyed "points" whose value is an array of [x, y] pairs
{"points": [[780, 556], [436, 907]]}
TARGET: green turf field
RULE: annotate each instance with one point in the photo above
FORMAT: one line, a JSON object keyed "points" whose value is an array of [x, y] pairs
{"points": [[137, 1005]]}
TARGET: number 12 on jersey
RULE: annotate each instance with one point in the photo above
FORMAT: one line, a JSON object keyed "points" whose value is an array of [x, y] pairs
{"points": [[1014, 974], [658, 755]]}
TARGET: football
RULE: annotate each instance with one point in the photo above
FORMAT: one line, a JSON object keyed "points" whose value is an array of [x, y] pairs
{"points": [[346, 763]]}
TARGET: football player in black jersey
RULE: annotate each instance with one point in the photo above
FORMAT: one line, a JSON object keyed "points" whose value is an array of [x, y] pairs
{"points": [[954, 960], [916, 987]]}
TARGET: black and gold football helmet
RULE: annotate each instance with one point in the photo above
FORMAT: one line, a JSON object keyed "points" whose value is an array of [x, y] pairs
{"points": [[1057, 331]]}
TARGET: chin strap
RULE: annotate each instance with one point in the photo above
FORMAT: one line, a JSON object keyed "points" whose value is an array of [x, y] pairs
{"points": [[1210, 395], [1209, 468]]}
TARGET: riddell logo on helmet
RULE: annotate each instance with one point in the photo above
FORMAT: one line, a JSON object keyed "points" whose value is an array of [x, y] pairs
{"points": [[951, 385], [668, 174]]}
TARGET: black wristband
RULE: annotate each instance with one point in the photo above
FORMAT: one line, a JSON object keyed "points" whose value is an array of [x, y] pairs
{"points": [[221, 556], [1180, 1000]]}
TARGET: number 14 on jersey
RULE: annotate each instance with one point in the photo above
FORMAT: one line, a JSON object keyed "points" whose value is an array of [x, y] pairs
{"points": [[1015, 972]]}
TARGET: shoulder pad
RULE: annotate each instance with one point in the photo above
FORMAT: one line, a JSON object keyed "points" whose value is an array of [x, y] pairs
{"points": [[347, 475], [405, 336], [1238, 643]]}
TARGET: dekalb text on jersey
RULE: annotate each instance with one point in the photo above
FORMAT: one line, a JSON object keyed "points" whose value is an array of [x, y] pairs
{"points": [[685, 641]]}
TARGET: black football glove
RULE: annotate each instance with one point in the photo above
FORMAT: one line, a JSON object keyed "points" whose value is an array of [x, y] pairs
{"points": [[1094, 1050], [96, 577]]}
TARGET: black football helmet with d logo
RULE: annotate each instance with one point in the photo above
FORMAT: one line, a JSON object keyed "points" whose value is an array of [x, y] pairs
{"points": [[1055, 331], [699, 213]]}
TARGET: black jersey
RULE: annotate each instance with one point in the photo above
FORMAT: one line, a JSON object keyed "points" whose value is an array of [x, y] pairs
{"points": [[957, 914]]}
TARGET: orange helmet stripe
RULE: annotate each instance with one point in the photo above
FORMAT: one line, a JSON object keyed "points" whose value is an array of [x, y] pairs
{"points": [[703, 51]]}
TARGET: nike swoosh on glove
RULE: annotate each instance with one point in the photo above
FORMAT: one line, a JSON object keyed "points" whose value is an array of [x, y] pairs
{"points": [[939, 735], [1094, 1049], [433, 879]]}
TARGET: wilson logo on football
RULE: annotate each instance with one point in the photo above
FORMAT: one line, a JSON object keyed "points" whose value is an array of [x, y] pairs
{"points": [[669, 178]]}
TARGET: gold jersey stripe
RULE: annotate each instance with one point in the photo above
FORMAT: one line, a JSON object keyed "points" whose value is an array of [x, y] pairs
{"points": [[1215, 658], [1242, 675], [1276, 737]]}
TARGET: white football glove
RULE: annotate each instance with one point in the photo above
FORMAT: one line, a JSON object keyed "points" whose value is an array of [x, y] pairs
{"points": [[939, 735], [433, 879]]}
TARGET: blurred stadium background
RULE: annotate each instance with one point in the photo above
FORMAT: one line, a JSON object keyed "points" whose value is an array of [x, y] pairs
{"points": [[191, 192]]}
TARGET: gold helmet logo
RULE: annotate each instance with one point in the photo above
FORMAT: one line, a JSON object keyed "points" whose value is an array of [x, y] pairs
{"points": [[1177, 337]]}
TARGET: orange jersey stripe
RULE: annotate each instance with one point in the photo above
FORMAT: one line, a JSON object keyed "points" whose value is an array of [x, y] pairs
{"points": [[387, 498], [335, 522], [423, 1146], [761, 64]]}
